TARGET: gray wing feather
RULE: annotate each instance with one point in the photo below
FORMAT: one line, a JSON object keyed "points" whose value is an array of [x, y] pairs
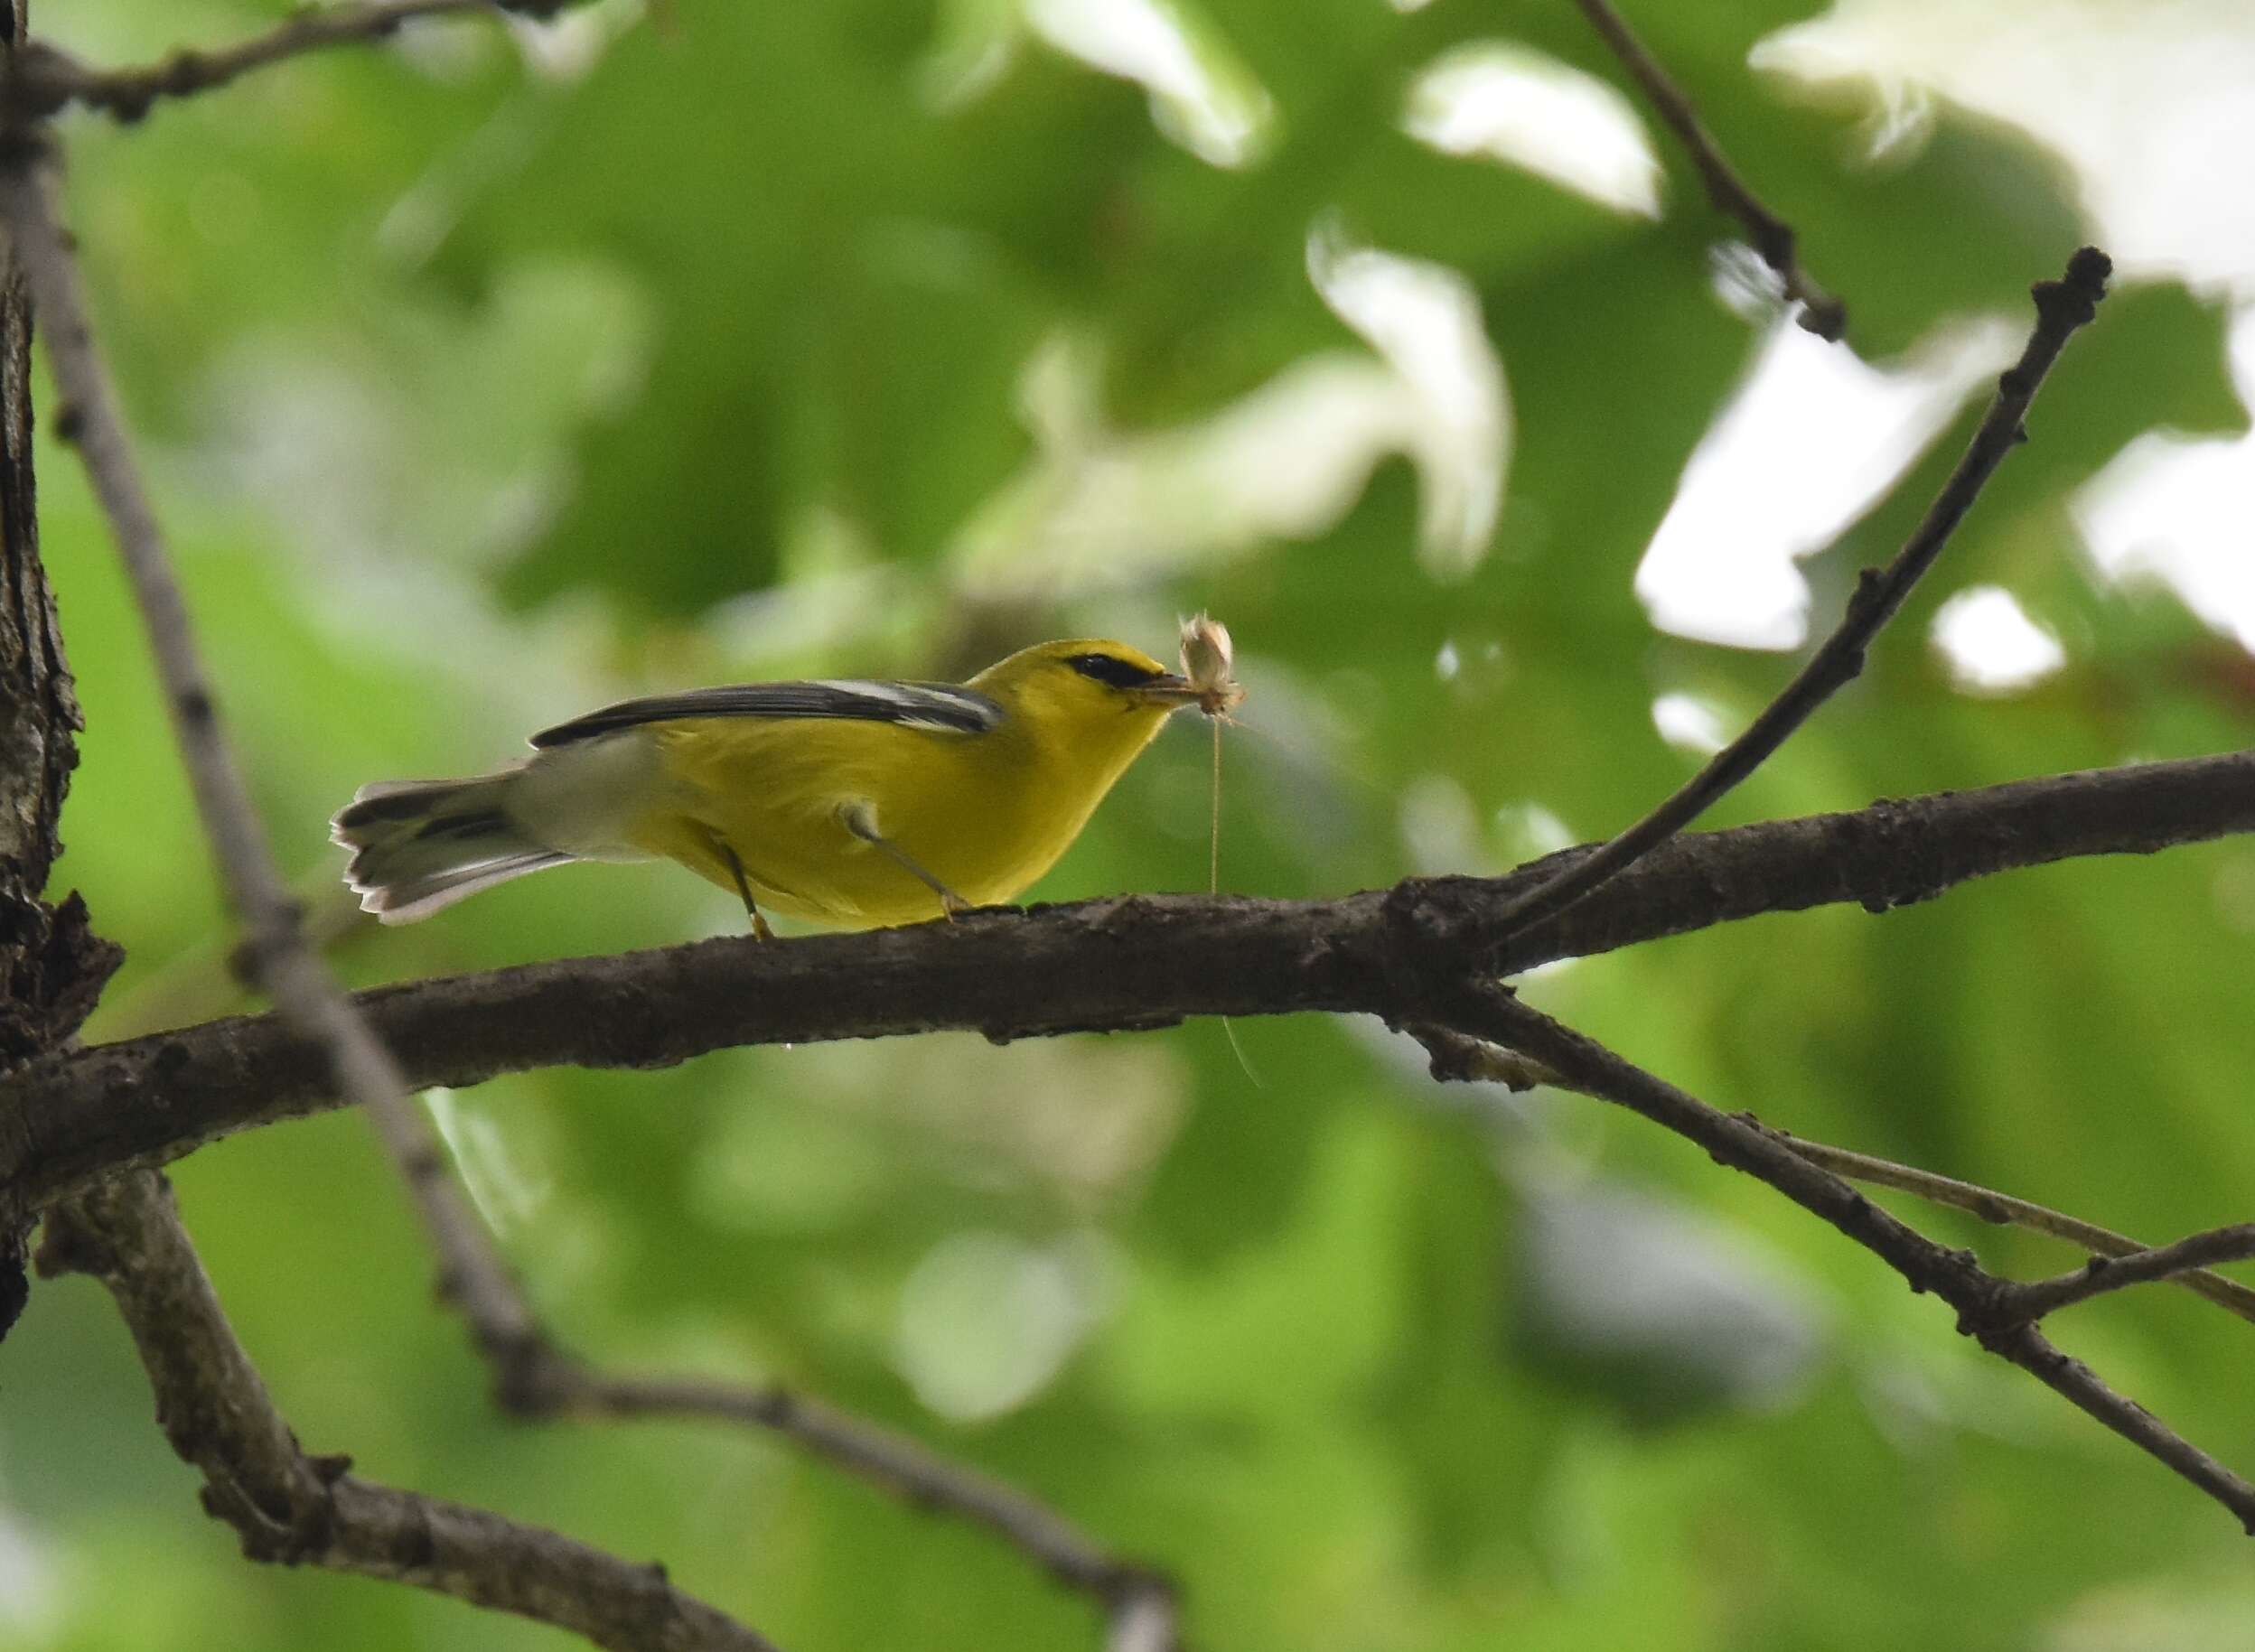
{"points": [[941, 706]]}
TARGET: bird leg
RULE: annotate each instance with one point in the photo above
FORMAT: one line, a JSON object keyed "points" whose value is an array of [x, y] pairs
{"points": [[861, 820], [735, 869]]}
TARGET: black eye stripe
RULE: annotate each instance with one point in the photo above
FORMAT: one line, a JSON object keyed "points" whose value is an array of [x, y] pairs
{"points": [[1110, 669]]}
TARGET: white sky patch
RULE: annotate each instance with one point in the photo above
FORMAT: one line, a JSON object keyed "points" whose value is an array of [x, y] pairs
{"points": [[1509, 104], [1689, 724], [1423, 319], [1991, 644], [1097, 507], [2127, 92], [2178, 510], [1201, 97], [1812, 438]]}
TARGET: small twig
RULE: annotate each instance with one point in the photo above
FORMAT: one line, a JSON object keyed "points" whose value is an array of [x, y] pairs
{"points": [[879, 1455], [1992, 1206], [2061, 307], [471, 1272], [1771, 237], [298, 1511], [47, 80], [533, 1379], [1985, 1307], [1456, 1059], [2177, 1262]]}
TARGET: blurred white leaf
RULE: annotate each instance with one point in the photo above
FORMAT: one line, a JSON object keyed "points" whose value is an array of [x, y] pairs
{"points": [[1510, 104]]}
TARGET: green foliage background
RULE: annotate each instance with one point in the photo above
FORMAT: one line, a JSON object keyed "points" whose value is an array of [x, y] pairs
{"points": [[475, 396]]}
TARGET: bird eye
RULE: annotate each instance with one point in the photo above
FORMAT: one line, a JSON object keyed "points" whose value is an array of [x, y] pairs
{"points": [[1111, 669]]}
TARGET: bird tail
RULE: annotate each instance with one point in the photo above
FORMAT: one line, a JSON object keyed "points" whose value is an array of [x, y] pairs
{"points": [[418, 846]]}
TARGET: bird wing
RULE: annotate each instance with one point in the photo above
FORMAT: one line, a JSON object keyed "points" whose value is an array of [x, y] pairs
{"points": [[943, 707]]}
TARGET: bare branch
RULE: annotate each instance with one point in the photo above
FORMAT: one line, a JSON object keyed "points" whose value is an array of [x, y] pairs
{"points": [[2061, 308], [471, 1274], [1459, 1059], [531, 1377], [307, 997], [300, 1510], [1992, 1206], [1101, 966], [53, 966], [2074, 1381], [1985, 1303], [2101, 1275], [879, 1455], [47, 80], [304, 993], [1771, 237], [89, 418]]}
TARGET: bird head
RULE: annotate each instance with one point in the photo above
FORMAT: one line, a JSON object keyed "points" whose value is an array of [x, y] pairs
{"points": [[1086, 679]]}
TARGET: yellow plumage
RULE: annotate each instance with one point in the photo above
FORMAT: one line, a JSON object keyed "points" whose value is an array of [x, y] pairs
{"points": [[847, 803]]}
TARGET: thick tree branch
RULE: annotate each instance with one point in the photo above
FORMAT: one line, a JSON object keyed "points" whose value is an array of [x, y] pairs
{"points": [[1771, 237], [1103, 966], [1987, 1307], [300, 1510], [90, 419], [51, 965], [2061, 308], [46, 79]]}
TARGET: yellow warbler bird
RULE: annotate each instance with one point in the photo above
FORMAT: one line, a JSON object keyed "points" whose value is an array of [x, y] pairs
{"points": [[849, 803]]}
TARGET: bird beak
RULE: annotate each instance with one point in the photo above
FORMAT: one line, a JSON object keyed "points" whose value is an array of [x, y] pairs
{"points": [[1170, 691]]}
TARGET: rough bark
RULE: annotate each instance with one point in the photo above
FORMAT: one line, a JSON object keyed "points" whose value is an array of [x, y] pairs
{"points": [[51, 965]]}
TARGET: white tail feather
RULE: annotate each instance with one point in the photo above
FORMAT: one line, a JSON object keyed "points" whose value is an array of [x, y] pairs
{"points": [[421, 845]]}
